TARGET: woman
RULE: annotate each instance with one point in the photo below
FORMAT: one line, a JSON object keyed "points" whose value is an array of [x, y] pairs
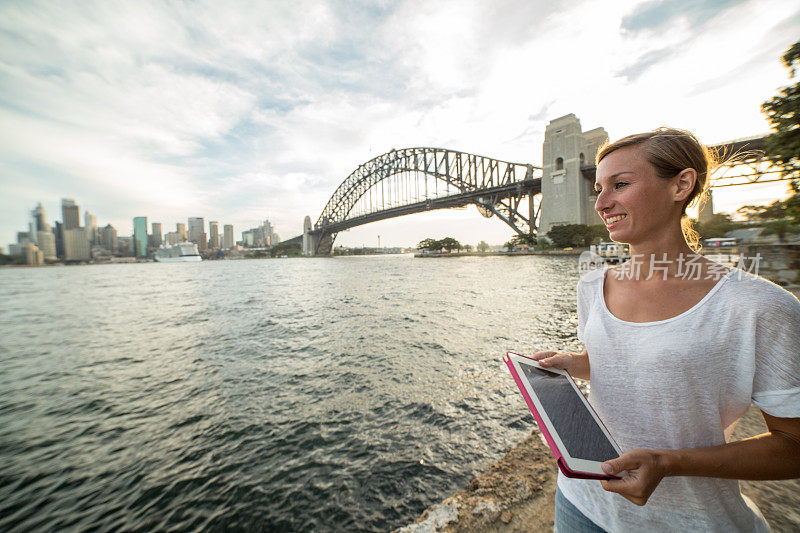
{"points": [[677, 347]]}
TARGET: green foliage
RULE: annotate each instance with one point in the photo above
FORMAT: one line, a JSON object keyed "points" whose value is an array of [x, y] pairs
{"points": [[11, 260], [428, 244], [775, 210], [780, 228], [783, 114], [482, 247], [599, 233], [572, 235], [448, 243], [717, 226], [291, 249], [793, 203], [468, 247], [510, 245], [528, 239]]}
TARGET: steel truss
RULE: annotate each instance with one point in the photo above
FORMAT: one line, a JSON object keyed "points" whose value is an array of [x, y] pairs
{"points": [[744, 162], [414, 180]]}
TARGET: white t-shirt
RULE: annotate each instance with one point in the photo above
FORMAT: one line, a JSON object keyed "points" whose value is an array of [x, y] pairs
{"points": [[681, 383]]}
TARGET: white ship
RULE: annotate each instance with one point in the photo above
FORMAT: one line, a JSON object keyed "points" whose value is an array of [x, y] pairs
{"points": [[184, 251]]}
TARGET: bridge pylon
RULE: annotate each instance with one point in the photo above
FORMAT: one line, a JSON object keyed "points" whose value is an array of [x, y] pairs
{"points": [[568, 196]]}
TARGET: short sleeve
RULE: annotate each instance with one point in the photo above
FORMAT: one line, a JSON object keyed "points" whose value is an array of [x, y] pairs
{"points": [[585, 300], [776, 382]]}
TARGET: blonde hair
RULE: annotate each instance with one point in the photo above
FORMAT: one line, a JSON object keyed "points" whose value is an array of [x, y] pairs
{"points": [[669, 151]]}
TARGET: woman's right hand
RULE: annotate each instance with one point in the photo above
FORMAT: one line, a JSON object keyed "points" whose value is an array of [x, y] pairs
{"points": [[577, 364]]}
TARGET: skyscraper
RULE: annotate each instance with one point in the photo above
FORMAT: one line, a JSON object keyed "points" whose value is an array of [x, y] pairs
{"points": [[38, 221], [155, 236], [181, 229], [109, 238], [70, 214], [197, 227], [47, 244], [90, 221], [213, 230], [76, 245], [227, 238], [58, 231], [140, 237]]}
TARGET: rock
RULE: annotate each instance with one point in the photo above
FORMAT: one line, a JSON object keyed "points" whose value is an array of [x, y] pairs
{"points": [[438, 517], [506, 517], [485, 507]]}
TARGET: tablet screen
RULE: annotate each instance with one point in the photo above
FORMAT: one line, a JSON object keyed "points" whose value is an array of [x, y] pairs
{"points": [[576, 427]]}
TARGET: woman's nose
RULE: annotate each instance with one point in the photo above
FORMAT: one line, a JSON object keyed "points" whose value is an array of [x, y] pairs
{"points": [[603, 202]]}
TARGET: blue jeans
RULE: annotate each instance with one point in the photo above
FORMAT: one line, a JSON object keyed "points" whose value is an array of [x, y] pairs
{"points": [[568, 519]]}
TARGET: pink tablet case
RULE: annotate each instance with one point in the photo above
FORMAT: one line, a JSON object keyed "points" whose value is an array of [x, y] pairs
{"points": [[550, 442]]}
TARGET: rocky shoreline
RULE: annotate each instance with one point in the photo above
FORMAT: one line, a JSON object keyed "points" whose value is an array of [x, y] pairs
{"points": [[516, 493]]}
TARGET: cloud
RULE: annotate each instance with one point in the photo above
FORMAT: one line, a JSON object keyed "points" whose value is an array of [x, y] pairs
{"points": [[249, 110], [655, 15]]}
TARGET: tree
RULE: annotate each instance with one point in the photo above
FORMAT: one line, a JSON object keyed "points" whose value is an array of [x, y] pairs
{"points": [[510, 245], [468, 247], [571, 235], [449, 243], [286, 248], [717, 226], [482, 247], [426, 244], [780, 228], [527, 239], [783, 114], [599, 233], [773, 211]]}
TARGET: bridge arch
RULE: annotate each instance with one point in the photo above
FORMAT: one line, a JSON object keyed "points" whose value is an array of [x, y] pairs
{"points": [[496, 187]]}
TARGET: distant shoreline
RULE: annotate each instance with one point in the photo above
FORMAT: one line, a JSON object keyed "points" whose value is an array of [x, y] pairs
{"points": [[495, 254]]}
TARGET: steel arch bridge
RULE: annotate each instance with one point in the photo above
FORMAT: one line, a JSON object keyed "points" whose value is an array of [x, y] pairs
{"points": [[414, 180]]}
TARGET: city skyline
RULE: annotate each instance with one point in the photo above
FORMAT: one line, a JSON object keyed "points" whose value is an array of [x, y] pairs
{"points": [[238, 110], [67, 239]]}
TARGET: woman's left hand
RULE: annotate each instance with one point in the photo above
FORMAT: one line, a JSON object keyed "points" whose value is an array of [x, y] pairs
{"points": [[644, 470]]}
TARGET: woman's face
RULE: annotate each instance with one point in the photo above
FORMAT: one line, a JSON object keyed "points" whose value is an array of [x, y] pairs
{"points": [[634, 203]]}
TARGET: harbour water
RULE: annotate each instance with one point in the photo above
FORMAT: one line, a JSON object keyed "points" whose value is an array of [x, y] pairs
{"points": [[287, 395]]}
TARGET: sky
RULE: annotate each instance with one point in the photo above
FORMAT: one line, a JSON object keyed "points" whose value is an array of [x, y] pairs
{"points": [[243, 111]]}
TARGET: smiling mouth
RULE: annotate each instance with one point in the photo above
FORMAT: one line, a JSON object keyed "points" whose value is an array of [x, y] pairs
{"points": [[612, 220]]}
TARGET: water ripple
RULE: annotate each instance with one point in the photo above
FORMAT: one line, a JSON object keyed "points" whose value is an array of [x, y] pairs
{"points": [[283, 395]]}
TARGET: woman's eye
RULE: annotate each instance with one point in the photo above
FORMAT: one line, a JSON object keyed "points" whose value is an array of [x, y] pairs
{"points": [[619, 184]]}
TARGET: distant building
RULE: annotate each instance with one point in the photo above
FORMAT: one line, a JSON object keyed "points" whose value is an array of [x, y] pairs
{"points": [[47, 244], [213, 230], [181, 229], [173, 237], [14, 249], [70, 214], [202, 245], [76, 245], [140, 236], [155, 236], [58, 231], [264, 235], [197, 227], [108, 238], [24, 237], [38, 222], [125, 245], [33, 255], [227, 238], [90, 222]]}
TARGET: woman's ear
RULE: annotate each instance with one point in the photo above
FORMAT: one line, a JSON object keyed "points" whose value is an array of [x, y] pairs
{"points": [[684, 183]]}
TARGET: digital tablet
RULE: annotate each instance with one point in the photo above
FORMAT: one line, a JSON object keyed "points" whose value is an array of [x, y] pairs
{"points": [[572, 429]]}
